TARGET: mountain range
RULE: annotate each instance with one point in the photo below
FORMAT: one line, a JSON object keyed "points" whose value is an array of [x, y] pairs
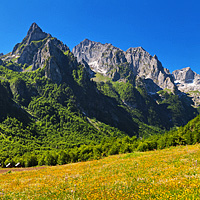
{"points": [[68, 98], [111, 61]]}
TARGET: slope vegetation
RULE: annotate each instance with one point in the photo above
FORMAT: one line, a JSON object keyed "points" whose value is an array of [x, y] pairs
{"points": [[49, 105]]}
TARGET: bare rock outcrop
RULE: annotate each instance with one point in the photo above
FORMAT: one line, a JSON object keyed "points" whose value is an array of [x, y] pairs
{"points": [[40, 50], [117, 64], [188, 81]]}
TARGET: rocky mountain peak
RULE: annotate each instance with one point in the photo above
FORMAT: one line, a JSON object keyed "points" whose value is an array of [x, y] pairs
{"points": [[135, 49], [39, 49], [35, 33], [185, 75], [86, 41], [188, 81], [118, 64], [33, 28], [100, 57], [138, 52]]}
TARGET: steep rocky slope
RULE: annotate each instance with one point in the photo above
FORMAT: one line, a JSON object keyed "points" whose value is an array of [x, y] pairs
{"points": [[129, 102], [38, 50], [40, 53], [9, 108], [137, 64], [138, 67], [117, 64], [188, 81]]}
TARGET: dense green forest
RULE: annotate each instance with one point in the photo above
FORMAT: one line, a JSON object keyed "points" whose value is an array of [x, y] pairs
{"points": [[50, 155]]}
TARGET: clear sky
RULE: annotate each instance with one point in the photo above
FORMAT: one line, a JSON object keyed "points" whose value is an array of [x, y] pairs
{"points": [[170, 29]]}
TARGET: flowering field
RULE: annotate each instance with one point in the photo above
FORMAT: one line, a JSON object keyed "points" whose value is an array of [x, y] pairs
{"points": [[166, 174]]}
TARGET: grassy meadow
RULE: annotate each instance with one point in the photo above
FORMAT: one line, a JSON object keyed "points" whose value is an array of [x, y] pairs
{"points": [[172, 173]]}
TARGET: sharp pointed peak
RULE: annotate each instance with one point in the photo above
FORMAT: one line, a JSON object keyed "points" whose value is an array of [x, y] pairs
{"points": [[34, 24], [155, 56], [35, 33], [34, 27]]}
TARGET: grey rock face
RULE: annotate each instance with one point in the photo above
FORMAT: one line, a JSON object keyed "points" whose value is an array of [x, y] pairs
{"points": [[87, 67], [57, 64], [38, 50], [189, 82], [1, 54], [185, 75], [186, 79], [1, 62], [115, 63], [35, 52], [99, 57], [35, 33], [53, 71]]}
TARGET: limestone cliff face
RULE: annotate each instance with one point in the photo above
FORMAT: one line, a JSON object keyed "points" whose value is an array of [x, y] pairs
{"points": [[39, 49], [186, 76], [100, 57], [35, 33], [34, 49], [8, 107], [117, 64], [188, 81]]}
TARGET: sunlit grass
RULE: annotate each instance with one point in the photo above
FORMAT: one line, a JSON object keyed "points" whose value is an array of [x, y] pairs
{"points": [[166, 174], [100, 78]]}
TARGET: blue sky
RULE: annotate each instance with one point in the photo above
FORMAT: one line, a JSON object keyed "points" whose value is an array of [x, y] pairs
{"points": [[170, 29]]}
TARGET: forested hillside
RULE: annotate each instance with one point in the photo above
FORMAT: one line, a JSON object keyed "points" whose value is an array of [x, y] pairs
{"points": [[50, 107]]}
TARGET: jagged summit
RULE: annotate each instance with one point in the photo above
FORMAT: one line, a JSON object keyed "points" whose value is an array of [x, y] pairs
{"points": [[86, 41], [188, 81], [136, 48], [39, 49], [186, 78], [35, 33], [34, 27], [118, 64], [186, 75]]}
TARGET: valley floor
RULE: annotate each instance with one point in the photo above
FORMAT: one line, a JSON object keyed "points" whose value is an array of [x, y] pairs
{"points": [[172, 173]]}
